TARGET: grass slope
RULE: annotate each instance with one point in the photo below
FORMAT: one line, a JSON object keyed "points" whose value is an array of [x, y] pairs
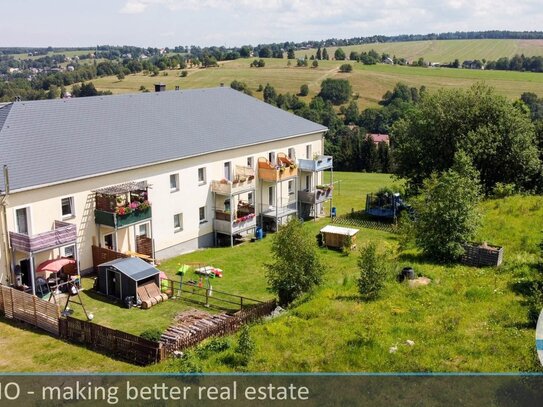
{"points": [[444, 51], [467, 319], [370, 82]]}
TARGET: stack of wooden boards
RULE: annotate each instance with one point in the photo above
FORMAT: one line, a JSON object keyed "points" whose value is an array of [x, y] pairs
{"points": [[192, 326], [150, 295]]}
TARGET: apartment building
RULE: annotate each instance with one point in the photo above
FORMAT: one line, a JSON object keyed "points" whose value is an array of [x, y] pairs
{"points": [[158, 174]]}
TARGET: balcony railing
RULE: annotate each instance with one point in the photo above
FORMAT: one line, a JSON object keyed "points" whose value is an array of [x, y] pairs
{"points": [[279, 211], [314, 197], [62, 234], [237, 186], [117, 221], [232, 227], [274, 173], [320, 163]]}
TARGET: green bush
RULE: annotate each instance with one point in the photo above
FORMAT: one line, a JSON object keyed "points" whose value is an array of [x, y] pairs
{"points": [[151, 334], [345, 68], [184, 73], [502, 190], [373, 272], [246, 345], [304, 90]]}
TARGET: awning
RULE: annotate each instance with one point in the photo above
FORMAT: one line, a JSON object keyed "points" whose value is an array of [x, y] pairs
{"points": [[54, 265]]}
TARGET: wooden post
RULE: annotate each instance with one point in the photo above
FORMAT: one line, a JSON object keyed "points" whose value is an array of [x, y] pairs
{"points": [[207, 297], [240, 303]]}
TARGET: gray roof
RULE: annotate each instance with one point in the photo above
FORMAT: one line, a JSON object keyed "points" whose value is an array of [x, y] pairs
{"points": [[50, 141], [133, 267]]}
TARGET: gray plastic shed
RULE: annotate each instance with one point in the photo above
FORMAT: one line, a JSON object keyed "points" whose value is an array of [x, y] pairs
{"points": [[120, 278]]}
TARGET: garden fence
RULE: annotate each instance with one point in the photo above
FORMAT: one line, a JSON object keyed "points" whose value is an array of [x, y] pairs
{"points": [[30, 309]]}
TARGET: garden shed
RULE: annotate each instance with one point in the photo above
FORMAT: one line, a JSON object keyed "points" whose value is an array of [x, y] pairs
{"points": [[337, 236], [121, 278]]}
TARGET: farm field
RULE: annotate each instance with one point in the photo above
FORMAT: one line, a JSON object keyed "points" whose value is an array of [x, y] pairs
{"points": [[369, 82], [467, 319], [444, 51]]}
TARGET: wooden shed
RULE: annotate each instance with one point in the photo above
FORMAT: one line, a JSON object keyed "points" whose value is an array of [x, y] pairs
{"points": [[336, 236], [121, 278]]}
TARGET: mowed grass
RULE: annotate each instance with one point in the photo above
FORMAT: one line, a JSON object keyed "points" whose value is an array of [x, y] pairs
{"points": [[467, 319], [444, 51], [368, 82]]}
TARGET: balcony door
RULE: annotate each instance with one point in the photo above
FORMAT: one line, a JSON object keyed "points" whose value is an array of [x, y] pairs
{"points": [[22, 216], [271, 196], [228, 171], [110, 241]]}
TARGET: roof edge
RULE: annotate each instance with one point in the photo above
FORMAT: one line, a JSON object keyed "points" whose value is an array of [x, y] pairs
{"points": [[33, 187]]}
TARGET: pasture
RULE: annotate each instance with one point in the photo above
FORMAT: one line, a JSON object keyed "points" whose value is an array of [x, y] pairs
{"points": [[370, 82]]}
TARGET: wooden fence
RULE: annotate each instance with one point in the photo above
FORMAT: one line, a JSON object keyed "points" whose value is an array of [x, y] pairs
{"points": [[102, 255], [207, 297], [223, 326], [121, 345], [30, 309]]}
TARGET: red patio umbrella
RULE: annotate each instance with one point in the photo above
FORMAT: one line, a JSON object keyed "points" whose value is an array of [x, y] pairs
{"points": [[54, 265]]}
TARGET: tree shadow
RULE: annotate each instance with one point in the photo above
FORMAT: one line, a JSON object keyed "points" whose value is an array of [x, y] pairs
{"points": [[352, 297]]}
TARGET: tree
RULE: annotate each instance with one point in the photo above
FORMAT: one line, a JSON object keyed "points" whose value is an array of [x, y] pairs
{"points": [[498, 137], [245, 51], [296, 268], [337, 91], [345, 68], [373, 272], [318, 55], [339, 55], [315, 64], [304, 90], [246, 346], [241, 87], [446, 210], [269, 94], [120, 76], [265, 52], [290, 54], [325, 54]]}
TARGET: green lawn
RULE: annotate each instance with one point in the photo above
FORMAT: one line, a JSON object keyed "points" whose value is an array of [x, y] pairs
{"points": [[467, 319]]}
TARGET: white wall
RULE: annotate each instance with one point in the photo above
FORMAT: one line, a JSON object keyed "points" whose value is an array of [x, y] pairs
{"points": [[45, 203]]}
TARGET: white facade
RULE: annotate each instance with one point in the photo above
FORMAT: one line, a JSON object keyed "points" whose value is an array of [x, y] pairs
{"points": [[178, 224]]}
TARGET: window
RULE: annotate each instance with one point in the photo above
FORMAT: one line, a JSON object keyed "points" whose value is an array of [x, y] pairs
{"points": [[250, 162], [201, 176], [250, 198], [174, 182], [69, 251], [178, 222], [291, 153], [67, 205], [271, 157], [308, 152], [22, 220], [227, 171], [308, 182], [143, 229], [202, 214], [291, 187]]}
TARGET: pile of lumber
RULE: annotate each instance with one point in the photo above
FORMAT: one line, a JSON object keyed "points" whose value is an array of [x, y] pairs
{"points": [[150, 295], [193, 326]]}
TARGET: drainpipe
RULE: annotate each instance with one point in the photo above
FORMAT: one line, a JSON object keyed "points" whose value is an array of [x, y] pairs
{"points": [[4, 225]]}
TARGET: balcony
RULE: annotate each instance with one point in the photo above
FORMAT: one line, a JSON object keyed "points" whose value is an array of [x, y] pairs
{"points": [[282, 170], [62, 234], [316, 196], [320, 163], [279, 211], [122, 205], [236, 226], [116, 220], [244, 181]]}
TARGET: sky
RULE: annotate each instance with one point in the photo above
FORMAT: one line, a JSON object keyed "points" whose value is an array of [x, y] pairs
{"points": [[161, 23]]}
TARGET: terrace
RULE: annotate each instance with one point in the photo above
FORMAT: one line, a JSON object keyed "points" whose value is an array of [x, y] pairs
{"points": [[122, 205]]}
